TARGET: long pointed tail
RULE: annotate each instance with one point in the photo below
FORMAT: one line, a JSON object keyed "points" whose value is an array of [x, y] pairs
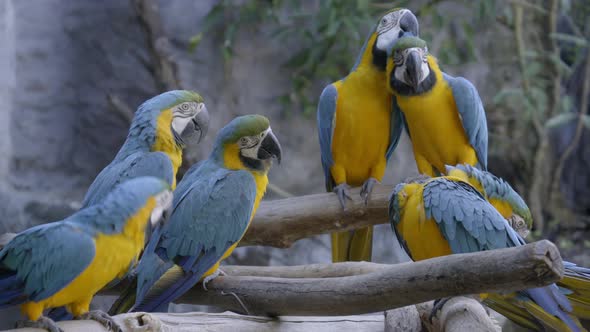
{"points": [[575, 285], [536, 308]]}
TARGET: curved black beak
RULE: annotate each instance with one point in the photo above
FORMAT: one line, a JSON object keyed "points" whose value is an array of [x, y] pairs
{"points": [[201, 122], [270, 147], [413, 69]]}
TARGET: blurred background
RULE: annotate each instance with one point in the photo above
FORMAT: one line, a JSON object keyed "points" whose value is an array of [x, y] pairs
{"points": [[72, 72]]}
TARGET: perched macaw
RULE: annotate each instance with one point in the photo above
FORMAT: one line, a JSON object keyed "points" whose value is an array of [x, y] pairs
{"points": [[446, 215], [213, 207], [160, 130], [357, 129], [65, 263], [443, 115], [576, 281]]}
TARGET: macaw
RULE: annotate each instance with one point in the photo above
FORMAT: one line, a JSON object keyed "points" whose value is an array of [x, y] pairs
{"points": [[576, 281], [65, 263], [443, 115], [357, 129], [213, 207], [446, 215], [160, 130]]}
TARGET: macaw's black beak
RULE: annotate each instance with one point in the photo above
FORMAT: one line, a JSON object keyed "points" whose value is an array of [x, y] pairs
{"points": [[270, 147], [413, 69], [201, 123]]}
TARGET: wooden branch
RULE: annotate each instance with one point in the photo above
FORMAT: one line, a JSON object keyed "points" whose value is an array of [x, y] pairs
{"points": [[460, 314], [533, 265], [343, 269], [279, 223], [403, 319], [224, 322], [121, 108], [160, 48]]}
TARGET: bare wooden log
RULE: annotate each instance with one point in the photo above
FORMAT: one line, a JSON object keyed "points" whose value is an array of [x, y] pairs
{"points": [[225, 322], [405, 319], [160, 49], [333, 270], [279, 223], [461, 314], [533, 265]]}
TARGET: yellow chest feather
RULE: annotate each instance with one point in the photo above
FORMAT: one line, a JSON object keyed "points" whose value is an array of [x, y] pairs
{"points": [[113, 256], [165, 141], [434, 124], [362, 123]]}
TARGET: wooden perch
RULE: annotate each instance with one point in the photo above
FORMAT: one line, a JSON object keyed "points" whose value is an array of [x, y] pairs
{"points": [[533, 265], [279, 223], [225, 322]]}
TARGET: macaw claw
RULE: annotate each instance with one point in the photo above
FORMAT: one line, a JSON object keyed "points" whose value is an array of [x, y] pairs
{"points": [[214, 275], [342, 191], [438, 305], [44, 323], [103, 318], [367, 189]]}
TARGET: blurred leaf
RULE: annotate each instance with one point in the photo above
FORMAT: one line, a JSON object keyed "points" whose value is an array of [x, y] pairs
{"points": [[506, 93], [194, 41], [582, 42]]}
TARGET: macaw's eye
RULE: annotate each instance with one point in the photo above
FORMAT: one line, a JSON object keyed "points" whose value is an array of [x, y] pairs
{"points": [[398, 59], [243, 140], [384, 21], [262, 134], [184, 107]]}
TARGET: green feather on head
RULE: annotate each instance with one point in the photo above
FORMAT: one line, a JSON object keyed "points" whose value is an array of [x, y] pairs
{"points": [[408, 42]]}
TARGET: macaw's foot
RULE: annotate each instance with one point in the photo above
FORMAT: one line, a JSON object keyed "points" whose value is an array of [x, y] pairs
{"points": [[438, 305], [367, 189], [208, 278], [103, 318], [342, 191], [41, 323]]}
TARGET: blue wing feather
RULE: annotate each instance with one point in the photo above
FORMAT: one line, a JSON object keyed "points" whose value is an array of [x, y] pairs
{"points": [[397, 125], [43, 266], [326, 118], [209, 216], [485, 229], [472, 116], [138, 164]]}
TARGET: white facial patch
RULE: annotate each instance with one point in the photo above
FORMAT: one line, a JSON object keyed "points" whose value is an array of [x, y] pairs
{"points": [[184, 113], [163, 203], [388, 29], [519, 225], [400, 61], [249, 145]]}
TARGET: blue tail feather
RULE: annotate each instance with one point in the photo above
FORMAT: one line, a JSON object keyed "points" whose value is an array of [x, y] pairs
{"points": [[551, 300]]}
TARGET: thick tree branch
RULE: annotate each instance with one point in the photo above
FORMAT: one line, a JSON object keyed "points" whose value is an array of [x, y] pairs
{"points": [[279, 223], [160, 48], [533, 265], [225, 322]]}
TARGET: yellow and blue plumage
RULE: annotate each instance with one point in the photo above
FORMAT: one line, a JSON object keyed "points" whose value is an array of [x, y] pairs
{"points": [[575, 284], [213, 207], [357, 129], [443, 115], [445, 215], [65, 263], [161, 128]]}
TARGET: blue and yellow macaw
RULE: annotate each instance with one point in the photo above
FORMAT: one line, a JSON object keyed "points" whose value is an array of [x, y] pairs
{"points": [[160, 130], [213, 207], [576, 281], [65, 263], [357, 129], [446, 215], [443, 115]]}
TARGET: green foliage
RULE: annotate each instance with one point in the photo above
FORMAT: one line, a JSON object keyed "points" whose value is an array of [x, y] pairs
{"points": [[327, 35]]}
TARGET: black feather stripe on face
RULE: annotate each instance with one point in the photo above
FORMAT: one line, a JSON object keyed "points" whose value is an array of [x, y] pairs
{"points": [[406, 90], [379, 57]]}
